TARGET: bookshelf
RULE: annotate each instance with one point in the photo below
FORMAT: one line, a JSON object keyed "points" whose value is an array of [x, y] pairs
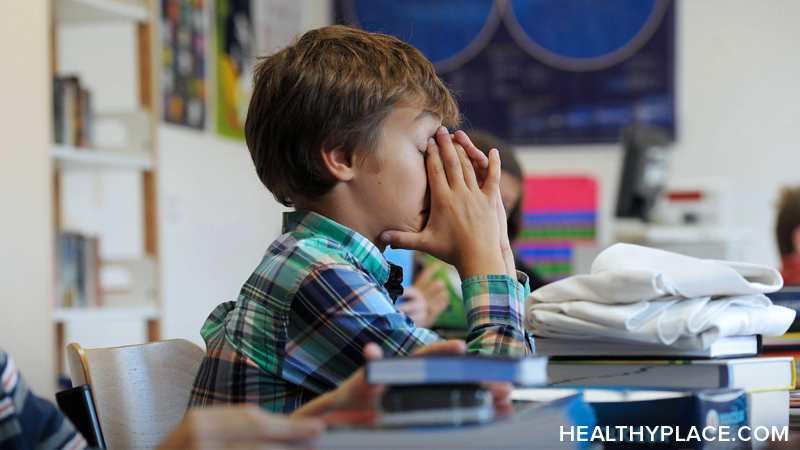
{"points": [[134, 160], [69, 157], [75, 11]]}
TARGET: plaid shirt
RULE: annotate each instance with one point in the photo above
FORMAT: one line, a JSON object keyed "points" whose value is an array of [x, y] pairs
{"points": [[302, 319]]}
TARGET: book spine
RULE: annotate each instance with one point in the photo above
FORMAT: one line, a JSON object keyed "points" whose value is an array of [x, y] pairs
{"points": [[58, 110]]}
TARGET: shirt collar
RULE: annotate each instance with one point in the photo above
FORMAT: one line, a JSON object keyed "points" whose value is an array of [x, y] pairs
{"points": [[360, 247]]}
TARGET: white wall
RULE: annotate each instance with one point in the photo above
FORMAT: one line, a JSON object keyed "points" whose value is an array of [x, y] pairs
{"points": [[738, 107], [25, 190]]}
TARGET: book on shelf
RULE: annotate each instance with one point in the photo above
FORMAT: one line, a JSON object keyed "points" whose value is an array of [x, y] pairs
{"points": [[535, 425], [751, 374], [77, 271], [628, 418], [734, 346], [73, 116], [453, 369]]}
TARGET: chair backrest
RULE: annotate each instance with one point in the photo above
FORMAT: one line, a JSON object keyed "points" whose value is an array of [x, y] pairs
{"points": [[140, 391]]}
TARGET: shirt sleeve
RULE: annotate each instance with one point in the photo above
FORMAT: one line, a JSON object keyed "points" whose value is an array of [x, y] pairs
{"points": [[27, 421], [494, 306], [337, 310]]}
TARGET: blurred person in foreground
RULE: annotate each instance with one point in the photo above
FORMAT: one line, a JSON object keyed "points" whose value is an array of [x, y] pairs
{"points": [[28, 421], [787, 232]]}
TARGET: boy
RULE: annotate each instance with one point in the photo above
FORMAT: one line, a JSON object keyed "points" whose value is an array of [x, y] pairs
{"points": [[339, 126]]}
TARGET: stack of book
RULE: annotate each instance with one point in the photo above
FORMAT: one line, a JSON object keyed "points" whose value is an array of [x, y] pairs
{"points": [[794, 409], [727, 364], [418, 423], [77, 271], [663, 419], [73, 116]]}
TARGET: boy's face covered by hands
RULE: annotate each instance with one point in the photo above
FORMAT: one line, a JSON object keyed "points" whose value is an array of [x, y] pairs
{"points": [[398, 193]]}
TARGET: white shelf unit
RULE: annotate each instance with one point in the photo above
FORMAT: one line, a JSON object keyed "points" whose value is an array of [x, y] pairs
{"points": [[74, 11], [100, 322], [106, 313], [69, 157]]}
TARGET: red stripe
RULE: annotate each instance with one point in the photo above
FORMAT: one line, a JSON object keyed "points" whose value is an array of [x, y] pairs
{"points": [[79, 443], [7, 407], [685, 195]]}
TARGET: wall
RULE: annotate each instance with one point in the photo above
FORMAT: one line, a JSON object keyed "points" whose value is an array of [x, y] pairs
{"points": [[216, 218], [738, 104], [25, 190]]}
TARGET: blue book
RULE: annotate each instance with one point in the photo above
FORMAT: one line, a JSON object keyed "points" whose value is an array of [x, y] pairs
{"points": [[663, 419], [456, 369]]}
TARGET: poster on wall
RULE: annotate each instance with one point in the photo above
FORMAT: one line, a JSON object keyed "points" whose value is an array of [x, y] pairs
{"points": [[183, 67], [235, 61], [541, 72], [246, 30]]}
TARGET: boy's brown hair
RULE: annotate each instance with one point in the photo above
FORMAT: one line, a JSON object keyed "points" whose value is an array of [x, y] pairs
{"points": [[788, 219], [332, 87]]}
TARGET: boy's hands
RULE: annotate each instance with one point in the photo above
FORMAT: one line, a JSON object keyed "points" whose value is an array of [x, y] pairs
{"points": [[463, 227], [480, 163]]}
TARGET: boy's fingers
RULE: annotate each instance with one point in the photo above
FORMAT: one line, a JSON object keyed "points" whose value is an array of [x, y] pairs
{"points": [[373, 351], [450, 158], [403, 239], [452, 347], [477, 156], [436, 176], [466, 168], [492, 184]]}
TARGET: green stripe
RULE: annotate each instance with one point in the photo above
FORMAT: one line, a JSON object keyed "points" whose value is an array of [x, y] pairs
{"points": [[549, 234]]}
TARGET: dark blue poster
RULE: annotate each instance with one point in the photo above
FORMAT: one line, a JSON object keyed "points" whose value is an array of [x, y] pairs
{"points": [[538, 72]]}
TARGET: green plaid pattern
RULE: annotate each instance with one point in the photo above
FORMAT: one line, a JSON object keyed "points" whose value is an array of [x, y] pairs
{"points": [[302, 319]]}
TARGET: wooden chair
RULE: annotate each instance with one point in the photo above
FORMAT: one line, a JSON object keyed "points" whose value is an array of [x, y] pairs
{"points": [[140, 391]]}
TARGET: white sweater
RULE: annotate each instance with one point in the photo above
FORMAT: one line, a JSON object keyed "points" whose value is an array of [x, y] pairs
{"points": [[648, 295]]}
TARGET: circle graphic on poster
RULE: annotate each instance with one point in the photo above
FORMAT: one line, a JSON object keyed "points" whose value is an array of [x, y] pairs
{"points": [[583, 35], [448, 32]]}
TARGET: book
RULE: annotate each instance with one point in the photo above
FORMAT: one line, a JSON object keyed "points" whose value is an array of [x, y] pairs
{"points": [[728, 347], [788, 297], [767, 409], [624, 416], [452, 369], [535, 425], [751, 374], [788, 343], [77, 271]]}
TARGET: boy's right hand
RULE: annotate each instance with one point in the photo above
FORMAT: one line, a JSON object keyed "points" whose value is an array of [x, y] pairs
{"points": [[462, 228]]}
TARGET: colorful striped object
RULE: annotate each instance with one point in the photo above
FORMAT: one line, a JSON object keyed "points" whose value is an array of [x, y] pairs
{"points": [[559, 212]]}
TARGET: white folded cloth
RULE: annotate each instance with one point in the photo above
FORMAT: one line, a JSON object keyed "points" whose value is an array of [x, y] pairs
{"points": [[648, 295]]}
